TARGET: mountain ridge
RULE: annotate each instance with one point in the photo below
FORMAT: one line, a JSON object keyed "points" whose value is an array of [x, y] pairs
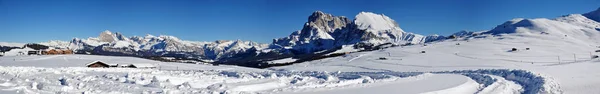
{"points": [[321, 35]]}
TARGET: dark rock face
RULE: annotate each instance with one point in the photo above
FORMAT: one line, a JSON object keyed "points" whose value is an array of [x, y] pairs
{"points": [[317, 34]]}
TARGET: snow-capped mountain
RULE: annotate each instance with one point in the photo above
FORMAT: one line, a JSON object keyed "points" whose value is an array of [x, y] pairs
{"points": [[325, 31], [578, 27], [114, 43], [321, 34], [317, 34]]}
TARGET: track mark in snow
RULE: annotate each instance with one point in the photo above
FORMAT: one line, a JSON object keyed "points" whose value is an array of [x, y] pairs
{"points": [[92, 80], [352, 59], [502, 86], [42, 58], [425, 66]]}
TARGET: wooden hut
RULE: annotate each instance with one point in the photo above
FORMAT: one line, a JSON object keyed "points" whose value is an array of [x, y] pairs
{"points": [[59, 51], [51, 52], [67, 51], [97, 64]]}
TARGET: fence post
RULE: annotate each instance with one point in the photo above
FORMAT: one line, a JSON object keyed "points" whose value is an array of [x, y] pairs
{"points": [[591, 57], [574, 58], [559, 59]]}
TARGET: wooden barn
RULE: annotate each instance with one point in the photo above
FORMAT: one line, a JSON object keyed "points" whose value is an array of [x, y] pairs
{"points": [[57, 51], [97, 64], [67, 51], [51, 52]]}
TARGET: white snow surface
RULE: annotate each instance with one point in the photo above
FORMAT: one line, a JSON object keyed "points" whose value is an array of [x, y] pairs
{"points": [[11, 44], [68, 74], [18, 51], [285, 60]]}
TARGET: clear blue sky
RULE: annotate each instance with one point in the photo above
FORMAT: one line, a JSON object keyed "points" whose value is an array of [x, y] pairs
{"points": [[256, 20]]}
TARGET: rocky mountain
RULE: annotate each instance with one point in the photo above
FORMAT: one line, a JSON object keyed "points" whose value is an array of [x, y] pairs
{"points": [[322, 34], [114, 43], [324, 31]]}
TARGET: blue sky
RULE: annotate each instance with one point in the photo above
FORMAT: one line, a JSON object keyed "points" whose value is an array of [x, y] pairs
{"points": [[256, 20]]}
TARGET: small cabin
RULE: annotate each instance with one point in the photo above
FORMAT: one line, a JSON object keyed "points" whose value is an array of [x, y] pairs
{"points": [[52, 52], [97, 64], [58, 51], [67, 51]]}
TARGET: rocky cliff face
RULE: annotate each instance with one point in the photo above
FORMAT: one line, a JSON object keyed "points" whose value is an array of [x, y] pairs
{"points": [[317, 34]]}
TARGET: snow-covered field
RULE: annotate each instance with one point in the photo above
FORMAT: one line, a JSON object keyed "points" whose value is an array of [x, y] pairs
{"points": [[565, 64], [67, 74], [480, 66]]}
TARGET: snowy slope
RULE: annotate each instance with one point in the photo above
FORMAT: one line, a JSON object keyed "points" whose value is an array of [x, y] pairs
{"points": [[67, 74], [560, 50], [11, 44]]}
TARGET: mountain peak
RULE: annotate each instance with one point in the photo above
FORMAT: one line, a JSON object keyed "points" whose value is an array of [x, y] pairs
{"points": [[318, 15], [108, 36], [106, 32], [372, 21], [318, 12], [324, 22]]}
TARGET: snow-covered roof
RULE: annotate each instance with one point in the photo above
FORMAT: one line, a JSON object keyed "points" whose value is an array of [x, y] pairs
{"points": [[95, 62], [143, 65]]}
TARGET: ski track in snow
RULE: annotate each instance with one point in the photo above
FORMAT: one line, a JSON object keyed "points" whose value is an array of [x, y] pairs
{"points": [[107, 80]]}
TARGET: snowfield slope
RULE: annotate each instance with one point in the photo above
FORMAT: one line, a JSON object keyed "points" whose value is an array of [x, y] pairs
{"points": [[67, 74], [562, 50]]}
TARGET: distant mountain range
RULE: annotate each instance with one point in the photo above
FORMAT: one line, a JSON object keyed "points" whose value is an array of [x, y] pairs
{"points": [[323, 35]]}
